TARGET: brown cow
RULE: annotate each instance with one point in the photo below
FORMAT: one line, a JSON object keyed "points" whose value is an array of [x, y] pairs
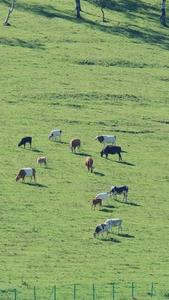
{"points": [[89, 164], [96, 201], [75, 143], [26, 172]]}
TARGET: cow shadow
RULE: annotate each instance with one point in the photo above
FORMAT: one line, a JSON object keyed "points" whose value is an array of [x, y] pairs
{"points": [[35, 184], [125, 163], [120, 162], [111, 239], [82, 154], [98, 173], [107, 209], [65, 143], [127, 236], [34, 150], [127, 203]]}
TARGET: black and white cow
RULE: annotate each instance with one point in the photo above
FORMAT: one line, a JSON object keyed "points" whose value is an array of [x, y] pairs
{"points": [[111, 150], [25, 140], [123, 189], [100, 229], [54, 134]]}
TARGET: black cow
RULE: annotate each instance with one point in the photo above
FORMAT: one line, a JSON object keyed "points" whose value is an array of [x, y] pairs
{"points": [[123, 189], [111, 150], [25, 140]]}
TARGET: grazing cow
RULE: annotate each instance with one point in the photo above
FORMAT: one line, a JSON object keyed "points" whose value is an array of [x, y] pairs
{"points": [[114, 223], [103, 196], [42, 160], [96, 201], [75, 143], [100, 229], [106, 139], [119, 190], [54, 134], [25, 140], [111, 150], [26, 172], [89, 164]]}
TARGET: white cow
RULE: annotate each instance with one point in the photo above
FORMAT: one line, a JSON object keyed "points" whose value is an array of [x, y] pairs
{"points": [[114, 223], [54, 134], [109, 139], [103, 196]]}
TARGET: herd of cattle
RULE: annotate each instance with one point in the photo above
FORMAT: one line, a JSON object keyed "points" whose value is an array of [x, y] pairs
{"points": [[76, 143]]}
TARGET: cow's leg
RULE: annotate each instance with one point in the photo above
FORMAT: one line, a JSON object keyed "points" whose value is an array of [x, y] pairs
{"points": [[124, 195], [115, 196], [107, 200]]}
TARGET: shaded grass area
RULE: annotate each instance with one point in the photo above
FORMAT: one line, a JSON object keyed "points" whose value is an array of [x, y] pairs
{"points": [[86, 78]]}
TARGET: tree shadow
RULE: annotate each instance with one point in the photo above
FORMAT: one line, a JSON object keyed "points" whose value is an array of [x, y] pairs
{"points": [[128, 8]]}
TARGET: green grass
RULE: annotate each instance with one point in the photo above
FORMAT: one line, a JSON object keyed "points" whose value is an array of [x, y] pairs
{"points": [[86, 78]]}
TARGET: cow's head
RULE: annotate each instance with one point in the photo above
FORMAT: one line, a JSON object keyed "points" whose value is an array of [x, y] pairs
{"points": [[101, 153], [94, 234], [17, 178]]}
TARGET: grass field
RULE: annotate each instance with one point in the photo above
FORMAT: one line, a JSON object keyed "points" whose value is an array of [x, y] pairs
{"points": [[87, 78]]}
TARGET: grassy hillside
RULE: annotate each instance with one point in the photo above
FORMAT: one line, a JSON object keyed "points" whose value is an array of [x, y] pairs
{"points": [[87, 78]]}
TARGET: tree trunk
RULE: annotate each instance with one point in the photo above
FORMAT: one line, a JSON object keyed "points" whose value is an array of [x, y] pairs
{"points": [[103, 14], [10, 11], [78, 9], [162, 17]]}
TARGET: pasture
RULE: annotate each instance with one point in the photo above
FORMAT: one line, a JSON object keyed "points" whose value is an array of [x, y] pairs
{"points": [[86, 78]]}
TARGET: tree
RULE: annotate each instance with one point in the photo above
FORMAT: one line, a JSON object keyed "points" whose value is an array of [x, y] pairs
{"points": [[78, 9], [10, 11], [103, 4], [162, 17]]}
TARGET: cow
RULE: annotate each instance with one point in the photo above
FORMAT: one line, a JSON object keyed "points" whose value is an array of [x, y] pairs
{"points": [[42, 160], [54, 134], [103, 196], [100, 229], [75, 143], [123, 189], [96, 201], [89, 164], [114, 223], [111, 150], [26, 172], [106, 139], [25, 140]]}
